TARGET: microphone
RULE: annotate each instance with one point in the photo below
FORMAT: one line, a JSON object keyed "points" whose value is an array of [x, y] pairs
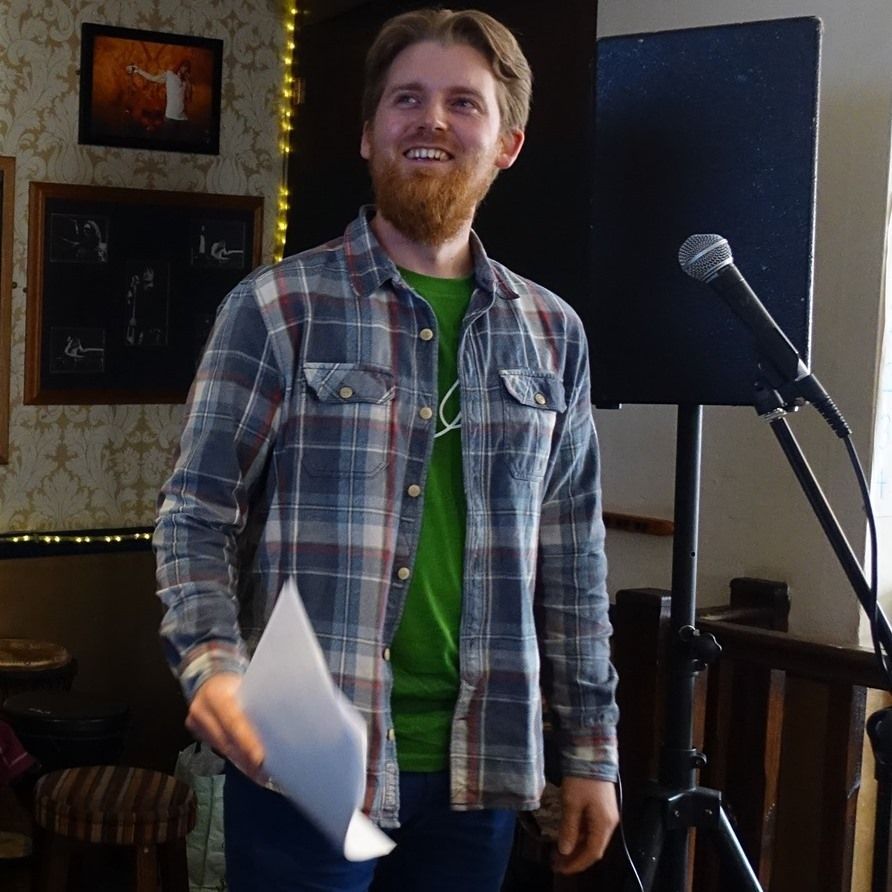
{"points": [[708, 259]]}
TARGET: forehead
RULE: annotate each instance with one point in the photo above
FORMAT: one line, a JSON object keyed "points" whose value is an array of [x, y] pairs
{"points": [[436, 66]]}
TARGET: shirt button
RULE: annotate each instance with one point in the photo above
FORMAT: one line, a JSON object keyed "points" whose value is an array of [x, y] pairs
{"points": [[426, 413], [345, 393], [403, 573], [386, 654], [540, 399], [414, 490], [426, 334], [391, 734]]}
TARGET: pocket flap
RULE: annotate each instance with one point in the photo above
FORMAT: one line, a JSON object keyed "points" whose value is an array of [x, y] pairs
{"points": [[539, 390], [346, 382]]}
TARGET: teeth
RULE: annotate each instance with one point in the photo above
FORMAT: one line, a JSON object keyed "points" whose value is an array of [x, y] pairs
{"points": [[427, 154]]}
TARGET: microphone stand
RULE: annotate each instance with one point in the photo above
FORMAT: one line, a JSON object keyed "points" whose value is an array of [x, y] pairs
{"points": [[772, 407], [675, 804]]}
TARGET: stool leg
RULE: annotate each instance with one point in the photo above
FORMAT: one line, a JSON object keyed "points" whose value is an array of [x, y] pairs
{"points": [[51, 871], [174, 872], [146, 868]]}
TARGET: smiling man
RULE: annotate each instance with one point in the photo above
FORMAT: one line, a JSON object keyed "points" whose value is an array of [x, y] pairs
{"points": [[404, 426]]}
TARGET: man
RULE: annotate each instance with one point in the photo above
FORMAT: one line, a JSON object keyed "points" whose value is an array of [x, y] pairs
{"points": [[404, 426], [177, 91]]}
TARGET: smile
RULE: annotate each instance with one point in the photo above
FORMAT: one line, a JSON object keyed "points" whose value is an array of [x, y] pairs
{"points": [[426, 154]]}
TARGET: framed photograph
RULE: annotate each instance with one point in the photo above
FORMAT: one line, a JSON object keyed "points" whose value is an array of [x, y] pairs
{"points": [[148, 90], [7, 194], [123, 287]]}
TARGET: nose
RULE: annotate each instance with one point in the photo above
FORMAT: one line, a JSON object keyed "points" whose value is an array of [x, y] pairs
{"points": [[433, 116]]}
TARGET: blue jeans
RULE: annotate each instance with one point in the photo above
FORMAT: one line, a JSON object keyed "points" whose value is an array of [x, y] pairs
{"points": [[271, 847]]}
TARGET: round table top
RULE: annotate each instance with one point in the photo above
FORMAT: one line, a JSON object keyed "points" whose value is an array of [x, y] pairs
{"points": [[14, 845], [31, 654]]}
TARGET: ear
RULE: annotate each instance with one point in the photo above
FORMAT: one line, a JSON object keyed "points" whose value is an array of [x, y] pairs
{"points": [[365, 142], [511, 142]]}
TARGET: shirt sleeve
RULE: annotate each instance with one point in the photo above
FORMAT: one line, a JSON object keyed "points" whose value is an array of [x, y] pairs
{"points": [[579, 678], [231, 418]]}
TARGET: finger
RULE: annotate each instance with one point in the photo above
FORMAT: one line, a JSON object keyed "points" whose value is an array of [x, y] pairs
{"points": [[220, 721], [568, 833], [204, 725], [243, 742], [590, 848]]}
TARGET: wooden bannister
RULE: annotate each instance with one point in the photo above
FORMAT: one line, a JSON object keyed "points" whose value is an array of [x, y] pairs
{"points": [[742, 721], [751, 719]]}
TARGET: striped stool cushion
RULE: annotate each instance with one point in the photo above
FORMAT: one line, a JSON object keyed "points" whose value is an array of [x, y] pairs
{"points": [[114, 804]]}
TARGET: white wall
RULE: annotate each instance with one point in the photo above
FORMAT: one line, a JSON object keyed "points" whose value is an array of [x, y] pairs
{"points": [[754, 520]]}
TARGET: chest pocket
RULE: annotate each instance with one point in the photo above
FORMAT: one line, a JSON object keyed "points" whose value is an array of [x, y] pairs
{"points": [[347, 419], [531, 402]]}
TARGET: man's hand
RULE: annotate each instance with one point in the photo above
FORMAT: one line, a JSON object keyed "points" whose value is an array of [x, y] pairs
{"points": [[216, 716], [589, 815]]}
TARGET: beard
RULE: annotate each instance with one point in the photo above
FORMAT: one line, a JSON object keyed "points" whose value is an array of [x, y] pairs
{"points": [[428, 207]]}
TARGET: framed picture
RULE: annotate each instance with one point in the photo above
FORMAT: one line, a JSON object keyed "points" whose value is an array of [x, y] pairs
{"points": [[7, 193], [123, 287], [148, 90]]}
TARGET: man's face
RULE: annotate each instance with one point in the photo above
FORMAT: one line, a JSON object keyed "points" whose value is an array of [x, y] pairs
{"points": [[435, 143]]}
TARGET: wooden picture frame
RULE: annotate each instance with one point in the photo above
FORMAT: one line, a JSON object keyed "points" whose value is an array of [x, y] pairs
{"points": [[7, 210], [150, 90], [123, 287]]}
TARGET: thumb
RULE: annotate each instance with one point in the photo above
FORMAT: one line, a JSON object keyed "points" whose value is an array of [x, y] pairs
{"points": [[568, 834]]}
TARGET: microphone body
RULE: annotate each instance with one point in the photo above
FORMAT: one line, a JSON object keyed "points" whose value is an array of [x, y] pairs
{"points": [[708, 259], [771, 341]]}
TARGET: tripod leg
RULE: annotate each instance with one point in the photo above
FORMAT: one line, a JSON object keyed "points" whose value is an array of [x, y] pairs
{"points": [[731, 854], [648, 847]]}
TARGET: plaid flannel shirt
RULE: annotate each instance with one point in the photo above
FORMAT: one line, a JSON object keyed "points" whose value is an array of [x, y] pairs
{"points": [[311, 417]]}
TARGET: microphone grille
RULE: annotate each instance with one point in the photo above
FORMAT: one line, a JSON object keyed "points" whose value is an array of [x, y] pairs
{"points": [[702, 256]]}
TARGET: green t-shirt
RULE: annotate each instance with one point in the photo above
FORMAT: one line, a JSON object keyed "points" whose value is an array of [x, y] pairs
{"points": [[424, 651]]}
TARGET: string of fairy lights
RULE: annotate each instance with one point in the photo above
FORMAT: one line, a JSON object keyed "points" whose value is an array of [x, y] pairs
{"points": [[292, 95], [97, 538]]}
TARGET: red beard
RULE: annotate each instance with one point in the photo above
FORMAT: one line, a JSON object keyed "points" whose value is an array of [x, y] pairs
{"points": [[426, 206]]}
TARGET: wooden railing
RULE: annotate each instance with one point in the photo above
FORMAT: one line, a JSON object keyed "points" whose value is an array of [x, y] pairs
{"points": [[771, 703], [781, 720]]}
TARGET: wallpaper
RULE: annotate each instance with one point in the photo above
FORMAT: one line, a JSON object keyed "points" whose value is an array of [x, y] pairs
{"points": [[76, 467]]}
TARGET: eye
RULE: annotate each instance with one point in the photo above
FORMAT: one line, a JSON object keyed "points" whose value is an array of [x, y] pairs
{"points": [[405, 100], [467, 104]]}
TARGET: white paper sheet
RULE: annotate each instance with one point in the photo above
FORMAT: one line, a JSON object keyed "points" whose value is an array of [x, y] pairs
{"points": [[313, 737]]}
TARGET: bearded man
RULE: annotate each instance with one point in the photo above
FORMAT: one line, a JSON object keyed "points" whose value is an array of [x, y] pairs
{"points": [[404, 426]]}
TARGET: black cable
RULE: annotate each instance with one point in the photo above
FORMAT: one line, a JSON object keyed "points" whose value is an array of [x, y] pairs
{"points": [[876, 610]]}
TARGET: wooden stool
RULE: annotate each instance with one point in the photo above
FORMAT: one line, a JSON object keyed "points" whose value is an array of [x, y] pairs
{"points": [[117, 805]]}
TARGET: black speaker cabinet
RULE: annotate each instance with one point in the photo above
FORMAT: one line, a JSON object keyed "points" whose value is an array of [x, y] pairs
{"points": [[707, 130]]}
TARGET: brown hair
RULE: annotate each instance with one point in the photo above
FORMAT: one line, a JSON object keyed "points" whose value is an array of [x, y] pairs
{"points": [[469, 27]]}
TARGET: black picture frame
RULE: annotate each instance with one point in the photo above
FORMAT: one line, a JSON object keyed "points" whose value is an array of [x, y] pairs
{"points": [[150, 90], [123, 287]]}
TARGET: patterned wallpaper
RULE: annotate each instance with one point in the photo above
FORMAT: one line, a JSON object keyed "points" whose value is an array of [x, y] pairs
{"points": [[101, 466]]}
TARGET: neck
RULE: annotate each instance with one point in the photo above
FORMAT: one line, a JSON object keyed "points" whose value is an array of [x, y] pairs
{"points": [[449, 260]]}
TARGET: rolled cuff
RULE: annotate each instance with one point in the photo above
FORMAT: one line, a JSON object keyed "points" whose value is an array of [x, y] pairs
{"points": [[593, 755], [211, 660]]}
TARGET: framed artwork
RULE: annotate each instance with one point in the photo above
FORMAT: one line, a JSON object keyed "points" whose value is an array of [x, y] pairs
{"points": [[148, 90], [123, 287], [7, 196]]}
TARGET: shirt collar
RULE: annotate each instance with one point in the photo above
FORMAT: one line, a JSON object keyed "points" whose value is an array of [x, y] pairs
{"points": [[369, 266]]}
